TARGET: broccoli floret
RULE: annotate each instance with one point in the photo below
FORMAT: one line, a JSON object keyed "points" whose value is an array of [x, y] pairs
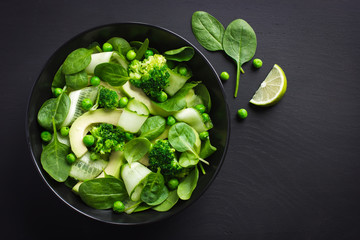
{"points": [[162, 156], [150, 75], [107, 138], [108, 98]]}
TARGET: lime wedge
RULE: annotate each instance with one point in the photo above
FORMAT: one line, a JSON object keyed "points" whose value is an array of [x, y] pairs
{"points": [[272, 89]]}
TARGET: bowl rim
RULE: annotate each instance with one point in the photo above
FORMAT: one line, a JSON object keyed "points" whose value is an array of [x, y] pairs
{"points": [[135, 23]]}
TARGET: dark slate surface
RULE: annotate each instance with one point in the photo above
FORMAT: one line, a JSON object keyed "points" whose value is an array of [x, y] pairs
{"points": [[292, 171]]}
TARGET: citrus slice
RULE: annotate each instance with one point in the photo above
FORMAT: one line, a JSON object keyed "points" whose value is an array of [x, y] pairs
{"points": [[272, 89]]}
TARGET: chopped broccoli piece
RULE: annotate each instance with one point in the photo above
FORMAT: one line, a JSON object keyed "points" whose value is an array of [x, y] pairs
{"points": [[150, 75], [108, 98], [107, 138]]}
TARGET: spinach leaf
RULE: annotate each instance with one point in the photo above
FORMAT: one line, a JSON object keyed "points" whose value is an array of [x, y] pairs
{"points": [[207, 149], [239, 43], [188, 159], [95, 47], [168, 203], [182, 137], [59, 80], [112, 73], [77, 80], [178, 101], [187, 186], [77, 61], [101, 193], [154, 191], [153, 127], [53, 158], [180, 55], [203, 93], [54, 108], [141, 51], [120, 44], [136, 149], [208, 30]]}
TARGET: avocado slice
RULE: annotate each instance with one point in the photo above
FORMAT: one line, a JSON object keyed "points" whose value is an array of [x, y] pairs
{"points": [[82, 125]]}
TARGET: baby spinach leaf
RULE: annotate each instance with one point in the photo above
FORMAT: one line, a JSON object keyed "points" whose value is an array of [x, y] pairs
{"points": [[153, 127], [59, 79], [53, 158], [120, 44], [101, 193], [77, 61], [180, 55], [204, 95], [54, 108], [136, 149], [208, 30], [187, 186], [77, 80], [188, 159], [141, 51], [239, 43], [112, 73], [154, 191], [168, 203], [182, 137], [207, 149]]}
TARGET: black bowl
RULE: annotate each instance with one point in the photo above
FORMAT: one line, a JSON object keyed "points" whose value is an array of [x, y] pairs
{"points": [[162, 40]]}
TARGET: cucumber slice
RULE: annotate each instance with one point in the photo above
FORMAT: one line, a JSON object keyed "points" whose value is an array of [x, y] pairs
{"points": [[96, 59], [192, 99], [120, 59], [76, 97], [176, 81], [134, 116], [138, 107], [85, 169], [193, 117], [134, 176]]}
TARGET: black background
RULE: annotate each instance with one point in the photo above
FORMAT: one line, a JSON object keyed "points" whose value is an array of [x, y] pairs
{"points": [[292, 171]]}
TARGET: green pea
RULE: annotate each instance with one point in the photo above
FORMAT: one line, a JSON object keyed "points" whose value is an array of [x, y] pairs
{"points": [[162, 97], [131, 55], [129, 136], [204, 135], [242, 113], [64, 131], [57, 92], [89, 140], [148, 53], [107, 47], [70, 158], [257, 63], [205, 117], [46, 136], [183, 71], [170, 120], [95, 81], [118, 207], [173, 183], [94, 156], [123, 102], [201, 108], [86, 104], [224, 76]]}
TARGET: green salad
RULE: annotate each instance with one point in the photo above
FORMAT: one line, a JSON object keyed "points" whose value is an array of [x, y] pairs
{"points": [[127, 127]]}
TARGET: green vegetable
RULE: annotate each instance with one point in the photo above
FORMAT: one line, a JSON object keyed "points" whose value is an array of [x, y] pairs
{"points": [[207, 149], [77, 80], [88, 140], [208, 30], [118, 207], [57, 92], [53, 158], [64, 131], [77, 61], [54, 108], [168, 203], [46, 136], [242, 113], [108, 98], [257, 63], [136, 149], [94, 156], [123, 102], [205, 117], [183, 70], [134, 176], [141, 51], [224, 76], [201, 108], [101, 193], [84, 169], [188, 159], [154, 191], [131, 55], [59, 80], [107, 138], [70, 158], [153, 127], [187, 186], [113, 73], [173, 183], [202, 91], [180, 55], [239, 43], [120, 45], [95, 81], [86, 104], [162, 97], [204, 135], [107, 47], [149, 53], [170, 120]]}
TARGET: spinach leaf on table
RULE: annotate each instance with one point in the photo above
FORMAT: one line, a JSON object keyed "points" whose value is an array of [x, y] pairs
{"points": [[154, 191], [208, 30], [180, 55], [187, 186], [136, 149], [77, 61], [77, 80], [153, 127], [239, 43], [53, 158], [112, 73], [101, 193]]}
